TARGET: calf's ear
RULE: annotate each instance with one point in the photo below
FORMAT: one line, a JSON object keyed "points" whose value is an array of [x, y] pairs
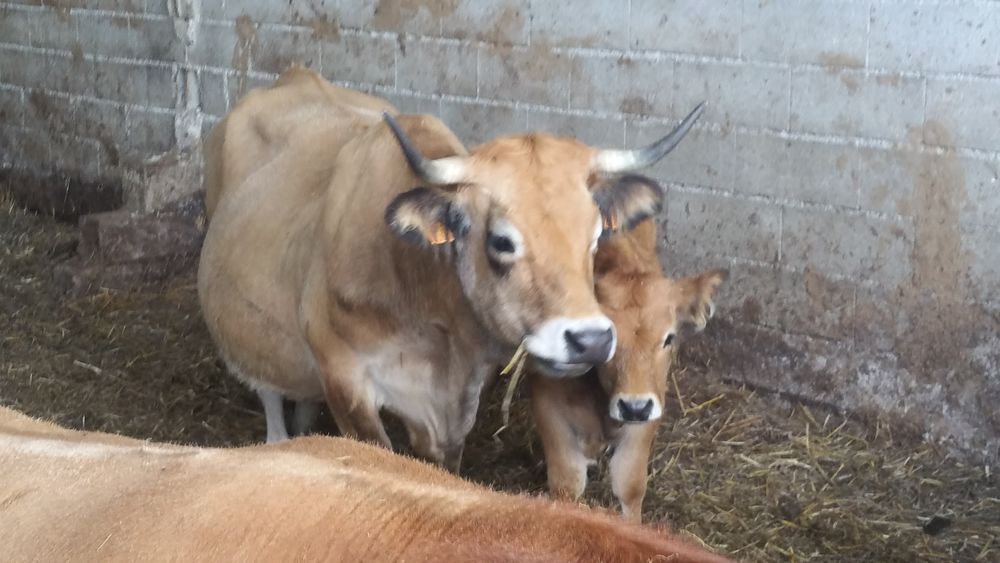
{"points": [[426, 217], [695, 293], [627, 201]]}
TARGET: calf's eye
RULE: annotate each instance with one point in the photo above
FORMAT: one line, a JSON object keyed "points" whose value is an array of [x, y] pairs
{"points": [[668, 340]]}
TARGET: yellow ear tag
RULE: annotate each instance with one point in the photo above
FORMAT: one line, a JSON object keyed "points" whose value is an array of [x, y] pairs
{"points": [[611, 223], [440, 235]]}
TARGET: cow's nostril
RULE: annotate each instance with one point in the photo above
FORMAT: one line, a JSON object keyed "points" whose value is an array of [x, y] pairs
{"points": [[574, 342], [592, 346], [635, 410]]}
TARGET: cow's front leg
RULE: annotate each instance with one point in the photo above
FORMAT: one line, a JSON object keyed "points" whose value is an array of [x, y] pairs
{"points": [[274, 414], [443, 450], [352, 405], [565, 461], [629, 468]]}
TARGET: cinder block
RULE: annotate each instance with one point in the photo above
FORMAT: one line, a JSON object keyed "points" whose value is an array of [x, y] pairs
{"points": [[687, 26], [703, 158], [982, 194], [800, 170], [12, 106], [360, 58], [76, 157], [798, 302], [25, 148], [829, 32], [161, 8], [132, 6], [475, 123], [893, 179], [287, 11], [961, 36], [240, 84], [162, 91], [407, 103], [107, 124], [150, 134], [501, 23], [583, 23], [216, 45], [849, 245], [277, 49], [212, 93], [129, 37], [403, 16], [595, 131], [722, 225], [437, 68], [963, 113], [625, 85], [55, 29], [850, 102], [737, 94], [52, 113], [52, 72], [14, 25], [982, 243], [535, 75], [886, 184]]}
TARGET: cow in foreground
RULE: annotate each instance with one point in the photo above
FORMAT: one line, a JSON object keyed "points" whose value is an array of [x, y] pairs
{"points": [[620, 403], [82, 496], [365, 257]]}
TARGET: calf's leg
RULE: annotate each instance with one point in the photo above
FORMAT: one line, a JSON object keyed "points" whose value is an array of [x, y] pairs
{"points": [[629, 468]]}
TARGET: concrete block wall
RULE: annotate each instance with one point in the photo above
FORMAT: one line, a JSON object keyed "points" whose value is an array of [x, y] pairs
{"points": [[846, 170]]}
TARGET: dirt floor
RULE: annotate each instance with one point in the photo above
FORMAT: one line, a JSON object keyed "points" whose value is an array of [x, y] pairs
{"points": [[748, 475]]}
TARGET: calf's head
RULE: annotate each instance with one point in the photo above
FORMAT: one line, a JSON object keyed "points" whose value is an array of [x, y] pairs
{"points": [[520, 220], [649, 310]]}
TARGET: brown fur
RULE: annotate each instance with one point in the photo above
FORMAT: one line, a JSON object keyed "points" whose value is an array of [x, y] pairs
{"points": [[572, 415], [309, 294], [76, 496]]}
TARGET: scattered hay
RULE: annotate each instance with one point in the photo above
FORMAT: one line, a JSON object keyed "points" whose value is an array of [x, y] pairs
{"points": [[745, 474]]}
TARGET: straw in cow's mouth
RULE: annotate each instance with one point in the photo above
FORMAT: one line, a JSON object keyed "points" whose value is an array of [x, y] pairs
{"points": [[515, 367]]}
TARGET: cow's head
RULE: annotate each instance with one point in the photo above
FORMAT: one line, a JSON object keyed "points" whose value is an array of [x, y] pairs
{"points": [[649, 311], [521, 217]]}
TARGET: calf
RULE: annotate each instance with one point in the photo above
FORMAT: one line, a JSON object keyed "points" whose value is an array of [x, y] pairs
{"points": [[620, 403], [83, 496], [366, 258]]}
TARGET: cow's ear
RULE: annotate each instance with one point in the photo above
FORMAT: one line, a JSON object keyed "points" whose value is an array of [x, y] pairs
{"points": [[426, 216], [627, 201], [694, 297]]}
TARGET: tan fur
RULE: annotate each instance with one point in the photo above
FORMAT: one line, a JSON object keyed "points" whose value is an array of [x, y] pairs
{"points": [[572, 415], [77, 496], [308, 293]]}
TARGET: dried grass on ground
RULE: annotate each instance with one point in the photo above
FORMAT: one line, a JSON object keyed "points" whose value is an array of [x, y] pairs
{"points": [[748, 475]]}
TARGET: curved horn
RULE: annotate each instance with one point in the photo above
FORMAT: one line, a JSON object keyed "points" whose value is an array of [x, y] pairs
{"points": [[611, 161], [448, 170]]}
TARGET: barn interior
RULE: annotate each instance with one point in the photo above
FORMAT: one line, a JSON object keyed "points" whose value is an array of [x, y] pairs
{"points": [[842, 405]]}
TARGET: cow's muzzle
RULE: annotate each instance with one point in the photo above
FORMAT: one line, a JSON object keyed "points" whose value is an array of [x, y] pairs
{"points": [[566, 347]]}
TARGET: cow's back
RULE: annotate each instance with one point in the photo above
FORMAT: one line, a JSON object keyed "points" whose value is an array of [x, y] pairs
{"points": [[262, 123], [74, 496]]}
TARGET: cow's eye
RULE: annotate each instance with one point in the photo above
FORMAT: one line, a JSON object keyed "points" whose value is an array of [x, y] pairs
{"points": [[501, 244], [668, 340]]}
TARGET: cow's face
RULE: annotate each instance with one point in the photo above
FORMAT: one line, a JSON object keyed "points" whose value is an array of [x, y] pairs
{"points": [[521, 218], [648, 312]]}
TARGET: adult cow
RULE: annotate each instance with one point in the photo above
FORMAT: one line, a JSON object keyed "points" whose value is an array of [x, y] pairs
{"points": [[375, 262], [83, 496]]}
